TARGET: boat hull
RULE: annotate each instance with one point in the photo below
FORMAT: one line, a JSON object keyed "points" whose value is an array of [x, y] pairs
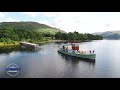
{"points": [[84, 56]]}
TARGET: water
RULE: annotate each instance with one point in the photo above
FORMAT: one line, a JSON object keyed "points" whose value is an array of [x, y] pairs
{"points": [[48, 63]]}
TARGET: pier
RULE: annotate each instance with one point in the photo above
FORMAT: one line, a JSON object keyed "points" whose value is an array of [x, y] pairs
{"points": [[27, 45]]}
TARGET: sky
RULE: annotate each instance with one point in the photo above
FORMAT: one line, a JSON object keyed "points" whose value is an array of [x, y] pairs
{"points": [[82, 22]]}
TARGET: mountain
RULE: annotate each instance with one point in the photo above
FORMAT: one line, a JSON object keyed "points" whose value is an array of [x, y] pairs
{"points": [[33, 26], [109, 34]]}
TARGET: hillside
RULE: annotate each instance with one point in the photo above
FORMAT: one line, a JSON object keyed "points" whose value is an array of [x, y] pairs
{"points": [[33, 26], [11, 32], [109, 34]]}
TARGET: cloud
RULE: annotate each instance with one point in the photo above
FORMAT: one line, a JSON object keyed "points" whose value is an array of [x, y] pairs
{"points": [[10, 19], [44, 14], [50, 14], [67, 21], [31, 14], [2, 15], [83, 22]]}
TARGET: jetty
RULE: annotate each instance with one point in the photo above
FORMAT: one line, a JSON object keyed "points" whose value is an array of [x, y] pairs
{"points": [[26, 45]]}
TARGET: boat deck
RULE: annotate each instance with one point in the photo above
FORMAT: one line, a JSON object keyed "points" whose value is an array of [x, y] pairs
{"points": [[89, 56]]}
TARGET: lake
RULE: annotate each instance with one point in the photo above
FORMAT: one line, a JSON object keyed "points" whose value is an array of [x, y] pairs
{"points": [[48, 63]]}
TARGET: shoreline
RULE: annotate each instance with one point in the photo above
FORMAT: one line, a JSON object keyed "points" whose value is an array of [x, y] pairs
{"points": [[76, 41], [57, 41], [17, 43], [53, 41]]}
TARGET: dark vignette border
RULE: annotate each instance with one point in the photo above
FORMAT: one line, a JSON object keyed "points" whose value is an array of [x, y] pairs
{"points": [[58, 6]]}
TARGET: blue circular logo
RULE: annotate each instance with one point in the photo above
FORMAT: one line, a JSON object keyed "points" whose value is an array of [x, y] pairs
{"points": [[12, 69]]}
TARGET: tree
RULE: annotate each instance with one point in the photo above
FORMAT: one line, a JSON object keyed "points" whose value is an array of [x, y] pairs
{"points": [[77, 36]]}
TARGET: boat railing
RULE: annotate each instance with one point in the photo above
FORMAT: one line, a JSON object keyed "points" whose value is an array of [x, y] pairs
{"points": [[77, 52]]}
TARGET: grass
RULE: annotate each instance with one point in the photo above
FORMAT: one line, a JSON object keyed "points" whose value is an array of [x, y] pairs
{"points": [[11, 44]]}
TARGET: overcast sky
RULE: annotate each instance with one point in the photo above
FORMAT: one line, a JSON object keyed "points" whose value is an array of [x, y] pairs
{"points": [[83, 22]]}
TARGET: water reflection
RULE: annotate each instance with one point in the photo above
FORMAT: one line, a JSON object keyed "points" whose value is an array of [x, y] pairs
{"points": [[10, 49], [76, 67], [76, 60]]}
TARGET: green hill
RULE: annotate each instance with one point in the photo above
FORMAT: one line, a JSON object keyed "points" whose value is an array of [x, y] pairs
{"points": [[26, 31], [109, 34], [33, 26]]}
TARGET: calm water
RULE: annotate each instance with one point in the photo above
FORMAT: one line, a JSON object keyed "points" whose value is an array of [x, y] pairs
{"points": [[48, 63]]}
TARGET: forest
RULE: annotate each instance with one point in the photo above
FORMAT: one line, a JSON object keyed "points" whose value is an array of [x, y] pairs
{"points": [[71, 36], [11, 32], [11, 35]]}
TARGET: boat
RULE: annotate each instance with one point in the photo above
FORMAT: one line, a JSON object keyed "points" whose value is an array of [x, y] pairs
{"points": [[75, 52]]}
